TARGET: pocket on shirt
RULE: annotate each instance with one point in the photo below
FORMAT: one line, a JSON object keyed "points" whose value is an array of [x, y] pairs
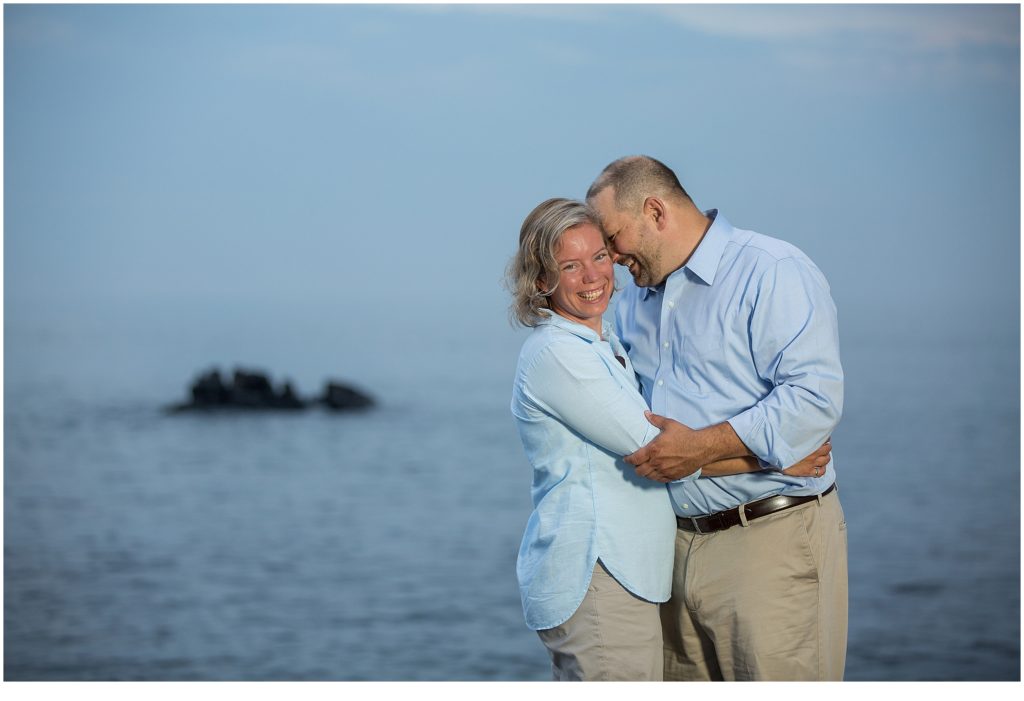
{"points": [[701, 352]]}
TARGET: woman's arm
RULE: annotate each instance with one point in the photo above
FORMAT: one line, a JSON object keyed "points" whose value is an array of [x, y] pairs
{"points": [[570, 381], [814, 465]]}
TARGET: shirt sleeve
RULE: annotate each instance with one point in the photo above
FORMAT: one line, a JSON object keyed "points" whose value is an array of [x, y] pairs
{"points": [[795, 346], [571, 382]]}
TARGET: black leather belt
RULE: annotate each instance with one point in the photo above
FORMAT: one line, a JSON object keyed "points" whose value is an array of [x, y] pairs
{"points": [[721, 520]]}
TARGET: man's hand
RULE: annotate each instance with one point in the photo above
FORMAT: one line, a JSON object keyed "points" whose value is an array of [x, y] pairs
{"points": [[813, 465], [679, 450]]}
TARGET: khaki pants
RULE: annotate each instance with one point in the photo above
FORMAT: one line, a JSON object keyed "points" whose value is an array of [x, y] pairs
{"points": [[612, 636], [762, 601]]}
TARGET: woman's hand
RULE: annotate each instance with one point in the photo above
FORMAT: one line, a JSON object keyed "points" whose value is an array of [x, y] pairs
{"points": [[813, 465]]}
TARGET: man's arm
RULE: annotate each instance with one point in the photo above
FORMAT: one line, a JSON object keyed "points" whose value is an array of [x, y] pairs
{"points": [[662, 468], [795, 347], [680, 450]]}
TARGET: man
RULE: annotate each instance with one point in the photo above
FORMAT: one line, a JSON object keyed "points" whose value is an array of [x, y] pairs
{"points": [[733, 336]]}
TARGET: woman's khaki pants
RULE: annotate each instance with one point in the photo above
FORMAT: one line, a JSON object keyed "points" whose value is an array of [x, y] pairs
{"points": [[612, 636]]}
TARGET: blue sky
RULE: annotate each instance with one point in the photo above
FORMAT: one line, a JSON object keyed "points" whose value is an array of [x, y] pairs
{"points": [[383, 157]]}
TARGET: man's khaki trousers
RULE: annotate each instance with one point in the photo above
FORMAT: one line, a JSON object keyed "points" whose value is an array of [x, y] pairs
{"points": [[761, 601]]}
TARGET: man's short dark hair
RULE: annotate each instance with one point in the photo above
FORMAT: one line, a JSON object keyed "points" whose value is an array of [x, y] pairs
{"points": [[635, 178]]}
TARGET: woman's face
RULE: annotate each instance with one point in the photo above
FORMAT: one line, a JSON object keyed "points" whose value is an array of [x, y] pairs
{"points": [[585, 276]]}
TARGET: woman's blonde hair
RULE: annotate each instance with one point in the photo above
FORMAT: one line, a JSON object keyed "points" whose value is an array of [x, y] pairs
{"points": [[535, 260]]}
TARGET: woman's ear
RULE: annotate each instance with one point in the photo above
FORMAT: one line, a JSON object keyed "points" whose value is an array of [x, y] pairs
{"points": [[541, 286]]}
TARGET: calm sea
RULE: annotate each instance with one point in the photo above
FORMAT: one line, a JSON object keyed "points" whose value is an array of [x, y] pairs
{"points": [[382, 545]]}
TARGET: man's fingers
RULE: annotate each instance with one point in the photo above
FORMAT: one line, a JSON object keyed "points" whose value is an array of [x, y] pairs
{"points": [[640, 456], [649, 472], [655, 419]]}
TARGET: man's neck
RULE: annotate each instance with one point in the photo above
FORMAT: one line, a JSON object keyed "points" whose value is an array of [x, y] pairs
{"points": [[692, 226]]}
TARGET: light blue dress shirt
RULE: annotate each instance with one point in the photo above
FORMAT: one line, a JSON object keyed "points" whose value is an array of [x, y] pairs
{"points": [[745, 332], [578, 411]]}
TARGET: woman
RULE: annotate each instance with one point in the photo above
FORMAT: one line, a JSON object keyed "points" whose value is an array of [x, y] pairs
{"points": [[596, 558]]}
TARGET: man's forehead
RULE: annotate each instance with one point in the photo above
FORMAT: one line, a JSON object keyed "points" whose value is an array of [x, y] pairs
{"points": [[605, 196], [604, 203]]}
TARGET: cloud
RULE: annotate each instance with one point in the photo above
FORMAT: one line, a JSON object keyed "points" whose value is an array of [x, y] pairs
{"points": [[921, 27], [861, 44], [872, 44], [565, 12]]}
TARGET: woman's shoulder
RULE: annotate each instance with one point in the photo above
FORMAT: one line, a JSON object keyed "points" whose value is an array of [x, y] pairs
{"points": [[550, 340], [554, 353]]}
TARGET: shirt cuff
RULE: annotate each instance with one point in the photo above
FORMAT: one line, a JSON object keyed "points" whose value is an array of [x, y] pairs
{"points": [[751, 428]]}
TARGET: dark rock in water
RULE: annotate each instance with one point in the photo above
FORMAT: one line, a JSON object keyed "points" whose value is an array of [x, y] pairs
{"points": [[338, 396], [253, 390], [209, 389], [288, 397]]}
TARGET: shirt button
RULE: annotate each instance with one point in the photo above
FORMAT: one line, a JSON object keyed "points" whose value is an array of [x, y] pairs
{"points": [[686, 506], [671, 304], [666, 344], [661, 382]]}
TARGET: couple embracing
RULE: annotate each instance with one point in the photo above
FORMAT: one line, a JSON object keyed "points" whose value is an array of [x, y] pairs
{"points": [[686, 523]]}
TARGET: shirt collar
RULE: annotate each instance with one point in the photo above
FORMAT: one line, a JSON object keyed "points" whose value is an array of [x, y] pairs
{"points": [[584, 332], [704, 260]]}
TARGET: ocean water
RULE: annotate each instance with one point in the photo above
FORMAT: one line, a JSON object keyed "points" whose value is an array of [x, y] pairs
{"points": [[381, 545]]}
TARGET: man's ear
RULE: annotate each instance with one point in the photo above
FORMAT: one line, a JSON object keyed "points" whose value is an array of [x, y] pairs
{"points": [[656, 210]]}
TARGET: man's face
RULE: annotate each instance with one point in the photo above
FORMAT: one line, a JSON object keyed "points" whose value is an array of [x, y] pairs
{"points": [[633, 241]]}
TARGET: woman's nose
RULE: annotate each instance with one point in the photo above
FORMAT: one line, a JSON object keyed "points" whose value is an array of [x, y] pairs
{"points": [[591, 273]]}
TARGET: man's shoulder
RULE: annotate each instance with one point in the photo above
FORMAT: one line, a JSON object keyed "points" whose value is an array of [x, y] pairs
{"points": [[766, 258], [763, 248]]}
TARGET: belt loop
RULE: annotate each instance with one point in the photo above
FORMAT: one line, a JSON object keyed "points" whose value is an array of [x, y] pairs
{"points": [[743, 514], [819, 500]]}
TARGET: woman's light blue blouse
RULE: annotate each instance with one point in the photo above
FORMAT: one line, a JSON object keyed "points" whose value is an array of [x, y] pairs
{"points": [[578, 411]]}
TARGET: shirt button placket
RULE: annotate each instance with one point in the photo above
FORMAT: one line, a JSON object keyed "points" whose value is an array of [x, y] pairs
{"points": [[666, 356], [665, 359]]}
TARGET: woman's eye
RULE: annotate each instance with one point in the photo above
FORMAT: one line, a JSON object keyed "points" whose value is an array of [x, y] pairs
{"points": [[569, 267], [602, 255]]}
